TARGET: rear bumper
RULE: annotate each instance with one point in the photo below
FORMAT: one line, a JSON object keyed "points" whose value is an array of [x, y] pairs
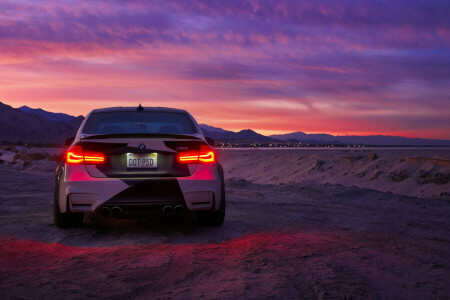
{"points": [[79, 192]]}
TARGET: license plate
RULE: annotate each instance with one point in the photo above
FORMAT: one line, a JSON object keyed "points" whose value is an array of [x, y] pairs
{"points": [[142, 161]]}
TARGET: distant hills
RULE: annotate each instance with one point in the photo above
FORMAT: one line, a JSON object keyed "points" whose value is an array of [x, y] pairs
{"points": [[320, 139], [34, 126], [57, 117], [212, 128], [222, 134], [246, 134], [373, 140], [39, 126]]}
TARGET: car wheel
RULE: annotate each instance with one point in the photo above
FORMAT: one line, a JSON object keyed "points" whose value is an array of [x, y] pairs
{"points": [[66, 220], [212, 217]]}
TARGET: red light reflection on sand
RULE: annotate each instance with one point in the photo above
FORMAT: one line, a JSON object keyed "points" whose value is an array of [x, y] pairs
{"points": [[262, 260], [24, 252]]}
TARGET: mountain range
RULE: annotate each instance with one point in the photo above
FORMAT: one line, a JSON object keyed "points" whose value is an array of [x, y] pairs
{"points": [[373, 140], [321, 138], [57, 117], [39, 126], [246, 134], [35, 126]]}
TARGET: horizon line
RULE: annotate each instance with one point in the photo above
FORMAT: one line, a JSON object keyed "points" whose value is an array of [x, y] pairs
{"points": [[335, 134]]}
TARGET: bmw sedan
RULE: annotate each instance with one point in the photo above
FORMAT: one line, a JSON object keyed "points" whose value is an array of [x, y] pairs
{"points": [[139, 159]]}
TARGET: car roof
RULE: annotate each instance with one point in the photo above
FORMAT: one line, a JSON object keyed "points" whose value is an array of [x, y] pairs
{"points": [[134, 108]]}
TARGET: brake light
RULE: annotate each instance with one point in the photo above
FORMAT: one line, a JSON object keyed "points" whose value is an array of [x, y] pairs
{"points": [[94, 158], [188, 156], [75, 155], [205, 155]]}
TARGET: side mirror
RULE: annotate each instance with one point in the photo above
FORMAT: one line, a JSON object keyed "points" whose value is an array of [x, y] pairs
{"points": [[69, 141], [210, 141]]}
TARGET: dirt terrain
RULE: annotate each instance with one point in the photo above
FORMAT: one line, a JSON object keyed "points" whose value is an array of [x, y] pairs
{"points": [[418, 172], [285, 239]]}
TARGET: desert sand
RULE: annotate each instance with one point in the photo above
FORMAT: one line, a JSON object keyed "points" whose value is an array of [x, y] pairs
{"points": [[406, 171], [300, 224]]}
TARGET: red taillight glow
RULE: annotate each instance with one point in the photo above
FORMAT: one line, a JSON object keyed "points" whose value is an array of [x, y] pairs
{"points": [[75, 155], [188, 156], [205, 155]]}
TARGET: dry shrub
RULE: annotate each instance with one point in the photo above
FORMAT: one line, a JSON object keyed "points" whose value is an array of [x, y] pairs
{"points": [[30, 156], [398, 175], [360, 174], [11, 149], [34, 156], [375, 174], [351, 158], [373, 156], [438, 178], [438, 161], [318, 166]]}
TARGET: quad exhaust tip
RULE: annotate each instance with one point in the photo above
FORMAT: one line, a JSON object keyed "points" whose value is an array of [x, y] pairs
{"points": [[104, 211], [116, 211], [167, 210], [179, 210]]}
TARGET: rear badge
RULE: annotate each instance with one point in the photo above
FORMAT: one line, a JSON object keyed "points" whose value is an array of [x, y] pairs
{"points": [[182, 148], [141, 147]]}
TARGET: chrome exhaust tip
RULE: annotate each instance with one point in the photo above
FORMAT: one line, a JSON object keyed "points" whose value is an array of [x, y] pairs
{"points": [[167, 210], [116, 211], [104, 211], [179, 210]]}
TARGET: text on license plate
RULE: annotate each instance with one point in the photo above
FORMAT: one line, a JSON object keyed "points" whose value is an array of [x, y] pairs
{"points": [[138, 160]]}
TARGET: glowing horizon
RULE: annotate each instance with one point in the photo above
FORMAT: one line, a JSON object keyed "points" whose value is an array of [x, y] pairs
{"points": [[316, 66], [262, 131]]}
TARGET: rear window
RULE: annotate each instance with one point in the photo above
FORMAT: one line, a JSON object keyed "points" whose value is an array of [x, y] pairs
{"points": [[139, 122]]}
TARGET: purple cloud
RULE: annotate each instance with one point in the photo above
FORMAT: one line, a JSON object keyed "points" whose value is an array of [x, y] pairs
{"points": [[323, 55]]}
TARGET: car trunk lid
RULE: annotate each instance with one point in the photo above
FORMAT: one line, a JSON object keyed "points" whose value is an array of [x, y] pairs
{"points": [[162, 150]]}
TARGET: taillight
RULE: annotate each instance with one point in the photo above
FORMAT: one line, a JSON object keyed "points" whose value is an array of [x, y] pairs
{"points": [[76, 155], [188, 157], [204, 155]]}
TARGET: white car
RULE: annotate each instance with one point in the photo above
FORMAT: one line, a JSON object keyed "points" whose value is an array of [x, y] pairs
{"points": [[145, 159]]}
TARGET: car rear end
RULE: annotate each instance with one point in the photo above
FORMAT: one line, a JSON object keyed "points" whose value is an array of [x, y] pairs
{"points": [[125, 159]]}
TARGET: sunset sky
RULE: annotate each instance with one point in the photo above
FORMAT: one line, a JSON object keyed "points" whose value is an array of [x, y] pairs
{"points": [[340, 67]]}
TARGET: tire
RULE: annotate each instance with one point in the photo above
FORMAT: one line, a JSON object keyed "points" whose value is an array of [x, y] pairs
{"points": [[65, 220], [213, 217]]}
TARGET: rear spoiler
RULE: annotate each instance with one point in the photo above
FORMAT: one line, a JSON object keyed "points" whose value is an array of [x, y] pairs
{"points": [[141, 135]]}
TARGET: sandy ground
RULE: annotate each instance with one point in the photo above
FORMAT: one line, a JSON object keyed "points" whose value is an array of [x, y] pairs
{"points": [[406, 171], [288, 238]]}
